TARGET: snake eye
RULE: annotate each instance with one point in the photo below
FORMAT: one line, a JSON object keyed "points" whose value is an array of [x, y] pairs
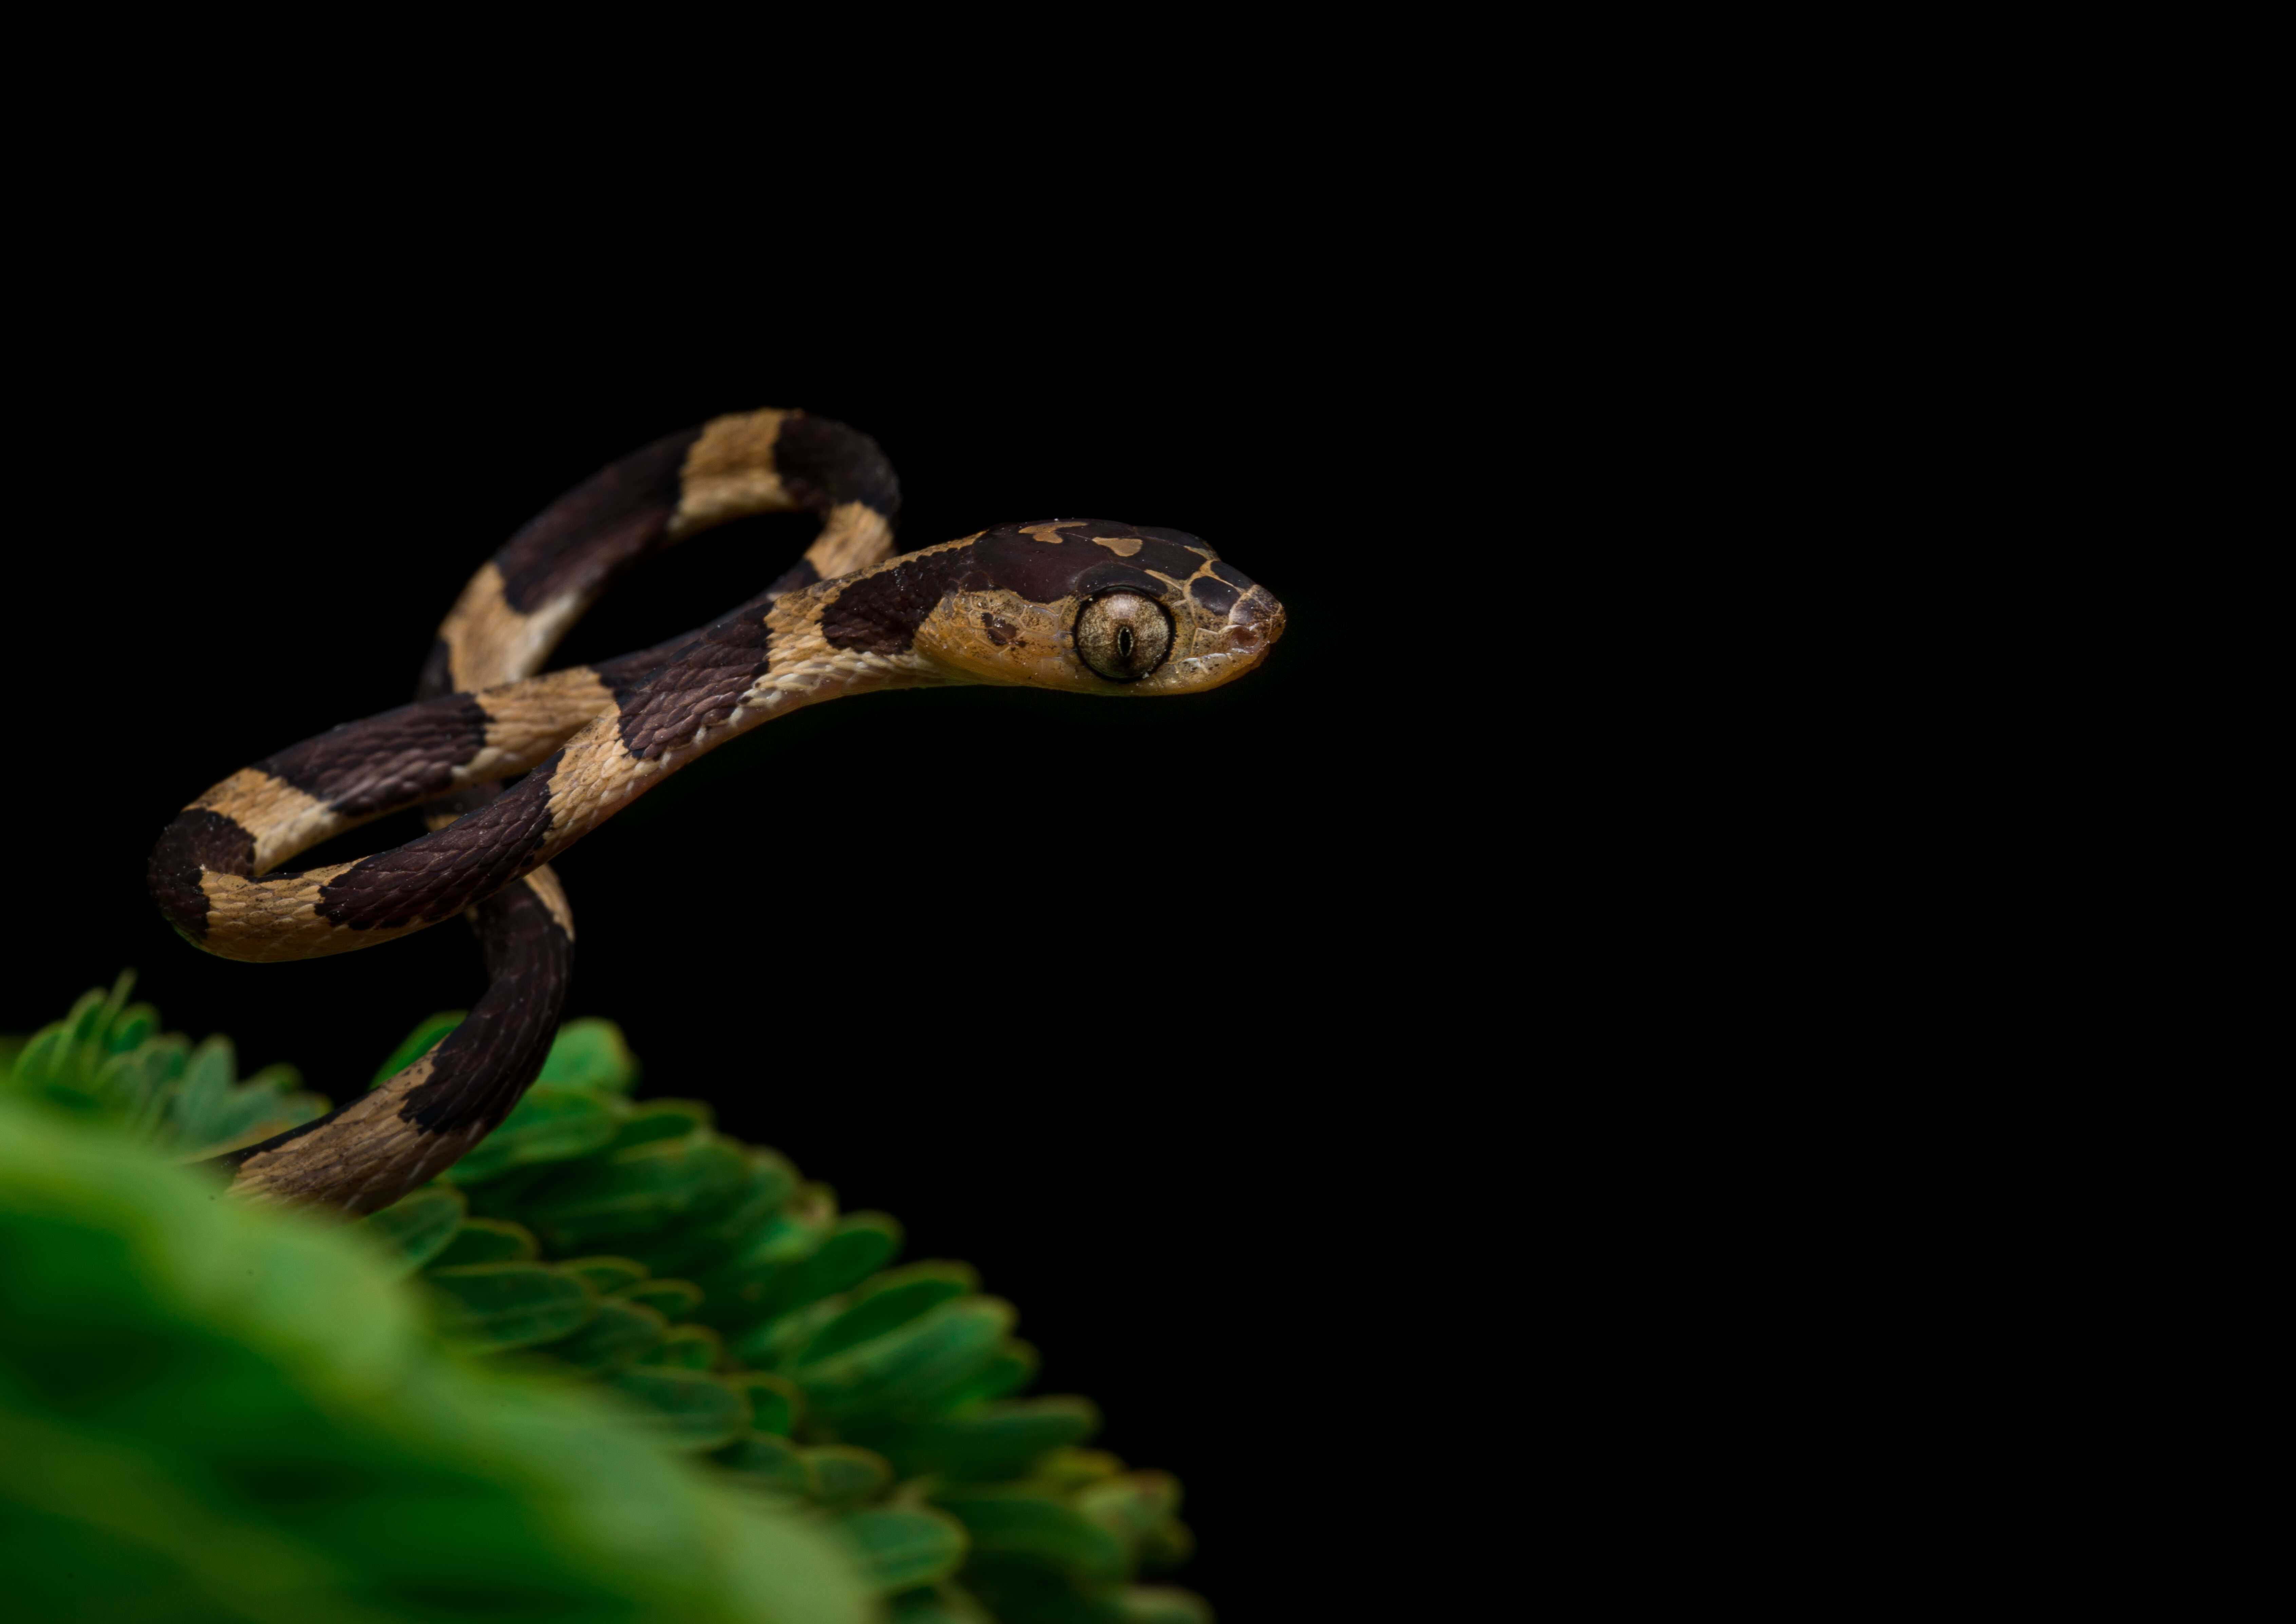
{"points": [[1124, 636]]}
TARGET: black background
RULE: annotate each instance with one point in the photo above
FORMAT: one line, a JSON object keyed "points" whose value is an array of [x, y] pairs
{"points": [[1091, 994]]}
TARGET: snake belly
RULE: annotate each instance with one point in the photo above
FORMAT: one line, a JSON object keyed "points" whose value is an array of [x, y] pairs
{"points": [[512, 767]]}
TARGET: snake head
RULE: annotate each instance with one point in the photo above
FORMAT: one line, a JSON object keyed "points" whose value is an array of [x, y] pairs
{"points": [[1082, 605]]}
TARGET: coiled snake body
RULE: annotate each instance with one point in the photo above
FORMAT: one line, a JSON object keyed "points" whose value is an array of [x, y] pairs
{"points": [[1082, 605]]}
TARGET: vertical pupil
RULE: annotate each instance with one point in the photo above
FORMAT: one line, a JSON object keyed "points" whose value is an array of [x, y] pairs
{"points": [[1124, 642]]}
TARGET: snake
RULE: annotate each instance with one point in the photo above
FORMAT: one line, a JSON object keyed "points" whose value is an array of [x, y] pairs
{"points": [[510, 764]]}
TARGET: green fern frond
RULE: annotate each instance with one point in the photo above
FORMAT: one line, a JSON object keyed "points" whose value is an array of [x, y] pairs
{"points": [[108, 1059], [213, 1411], [705, 1286], [708, 1282]]}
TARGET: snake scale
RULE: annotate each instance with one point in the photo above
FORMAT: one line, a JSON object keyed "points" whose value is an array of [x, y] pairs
{"points": [[1082, 605]]}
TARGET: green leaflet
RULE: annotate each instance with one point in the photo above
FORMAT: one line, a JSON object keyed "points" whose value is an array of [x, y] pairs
{"points": [[420, 1226], [1065, 1470], [504, 1190], [488, 1241], [873, 1314], [425, 1037], [606, 1275], [1011, 1367], [212, 1113], [904, 1547], [592, 1055], [672, 1299], [842, 1475], [550, 1124], [1019, 1594], [998, 1441], [133, 1087], [1162, 1604], [707, 1243], [733, 1294], [686, 1409], [775, 1464], [775, 1343], [775, 1402], [661, 1120], [944, 1603], [947, 1271], [1141, 1509], [688, 1347], [1023, 1527], [1166, 1546], [202, 1109], [606, 1199], [493, 1306], [1131, 1507], [855, 1247], [619, 1334], [900, 1375]]}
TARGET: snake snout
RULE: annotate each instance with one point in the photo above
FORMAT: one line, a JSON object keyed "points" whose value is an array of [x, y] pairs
{"points": [[1254, 623]]}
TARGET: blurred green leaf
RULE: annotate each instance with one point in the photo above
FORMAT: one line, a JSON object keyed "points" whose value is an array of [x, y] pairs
{"points": [[687, 1348], [202, 1104], [1011, 1367], [493, 1306], [904, 1548], [1166, 1546], [617, 1336], [661, 1120], [775, 1463], [711, 1242], [946, 1602], [1065, 1471], [998, 1441], [1010, 1525], [592, 1055], [1163, 1604], [606, 1275], [488, 1241], [842, 1475], [898, 1375], [212, 1411], [857, 1246], [775, 1402], [426, 1037], [736, 1292], [775, 1344], [271, 1101], [603, 1200], [672, 1299], [132, 1087], [549, 1125], [962, 1277], [768, 1182], [1131, 1506], [419, 1227], [874, 1313], [687, 1409]]}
